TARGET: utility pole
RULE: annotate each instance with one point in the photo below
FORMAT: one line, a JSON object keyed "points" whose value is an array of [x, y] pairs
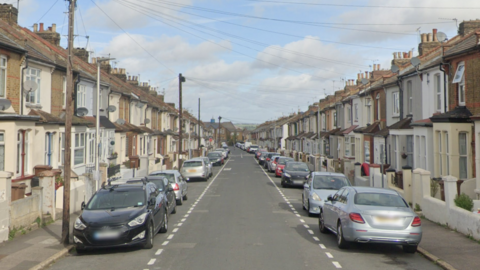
{"points": [[199, 133], [68, 129], [181, 79], [219, 130]]}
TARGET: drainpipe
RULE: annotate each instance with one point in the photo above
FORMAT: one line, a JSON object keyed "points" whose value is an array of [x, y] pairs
{"points": [[400, 96], [444, 86], [21, 88]]}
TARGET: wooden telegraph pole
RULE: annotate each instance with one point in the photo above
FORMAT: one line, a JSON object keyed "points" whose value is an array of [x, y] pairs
{"points": [[68, 129], [181, 79], [198, 130]]}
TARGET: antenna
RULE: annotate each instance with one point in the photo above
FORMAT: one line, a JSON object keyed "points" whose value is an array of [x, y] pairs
{"points": [[5, 104], [82, 111], [415, 62], [30, 86], [120, 121], [111, 108]]}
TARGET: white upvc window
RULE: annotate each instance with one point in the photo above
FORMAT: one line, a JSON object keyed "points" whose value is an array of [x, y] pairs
{"points": [[368, 103], [410, 150], [352, 146], [356, 112], [463, 157], [48, 148], [22, 152], [81, 96], [91, 148], [62, 148], [79, 152], [396, 104], [460, 79], [447, 154], [347, 146], [3, 76], [367, 151], [33, 74], [409, 97], [438, 93], [2, 151], [395, 151], [440, 153], [378, 107], [64, 91]]}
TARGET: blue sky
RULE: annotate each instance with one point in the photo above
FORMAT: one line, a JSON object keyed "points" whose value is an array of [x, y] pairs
{"points": [[249, 61]]}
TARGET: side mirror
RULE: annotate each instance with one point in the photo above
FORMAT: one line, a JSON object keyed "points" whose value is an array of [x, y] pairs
{"points": [[330, 198], [152, 202], [83, 205]]}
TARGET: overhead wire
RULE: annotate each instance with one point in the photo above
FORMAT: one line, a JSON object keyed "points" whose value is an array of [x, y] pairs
{"points": [[48, 10]]}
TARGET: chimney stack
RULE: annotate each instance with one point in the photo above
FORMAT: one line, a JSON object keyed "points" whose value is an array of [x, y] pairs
{"points": [[41, 27], [81, 53], [9, 14], [435, 35], [35, 27], [50, 35]]}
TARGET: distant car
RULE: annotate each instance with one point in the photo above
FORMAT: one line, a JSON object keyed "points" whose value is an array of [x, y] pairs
{"points": [[272, 163], [268, 157], [371, 215], [120, 215], [224, 151], [294, 173], [318, 186], [262, 158], [216, 158], [259, 152], [209, 165], [281, 164], [194, 168], [177, 182], [253, 148]]}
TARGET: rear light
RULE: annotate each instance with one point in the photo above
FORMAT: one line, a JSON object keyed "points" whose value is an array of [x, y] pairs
{"points": [[416, 222], [176, 187], [356, 217]]}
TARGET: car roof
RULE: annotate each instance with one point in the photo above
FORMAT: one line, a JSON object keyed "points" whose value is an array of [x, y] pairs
{"points": [[374, 190], [328, 173], [165, 171], [192, 159]]}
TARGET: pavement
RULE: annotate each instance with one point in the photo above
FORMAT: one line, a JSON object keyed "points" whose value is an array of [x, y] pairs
{"points": [[241, 233]]}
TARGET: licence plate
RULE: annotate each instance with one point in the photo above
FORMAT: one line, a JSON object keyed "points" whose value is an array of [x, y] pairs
{"points": [[387, 220], [298, 182], [106, 235], [191, 170]]}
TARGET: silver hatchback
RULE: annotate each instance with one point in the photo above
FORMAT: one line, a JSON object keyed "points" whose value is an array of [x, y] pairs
{"points": [[177, 182], [209, 165], [371, 215], [194, 168]]}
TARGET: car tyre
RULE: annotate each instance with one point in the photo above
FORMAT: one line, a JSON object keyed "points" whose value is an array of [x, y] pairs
{"points": [[174, 210], [410, 249], [321, 224], [185, 197], [341, 242], [149, 243], [80, 251], [308, 209], [180, 201], [283, 184], [164, 227]]}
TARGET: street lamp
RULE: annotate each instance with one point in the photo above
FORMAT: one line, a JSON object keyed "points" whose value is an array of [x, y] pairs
{"points": [[97, 124]]}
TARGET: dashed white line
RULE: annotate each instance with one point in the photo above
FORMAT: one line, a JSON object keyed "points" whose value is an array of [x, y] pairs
{"points": [[187, 216], [183, 219], [322, 246], [297, 215], [170, 237], [175, 230], [310, 231], [306, 226], [151, 262], [329, 255], [165, 243], [179, 224], [302, 221], [159, 251], [316, 238], [337, 265], [189, 211]]}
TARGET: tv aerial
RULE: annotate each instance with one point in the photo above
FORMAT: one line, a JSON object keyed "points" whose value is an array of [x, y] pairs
{"points": [[442, 37], [120, 121], [365, 81], [147, 121], [415, 62], [82, 111], [111, 108], [395, 69]]}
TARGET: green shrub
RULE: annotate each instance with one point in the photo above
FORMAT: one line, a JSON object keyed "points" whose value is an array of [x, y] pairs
{"points": [[463, 201], [417, 208]]}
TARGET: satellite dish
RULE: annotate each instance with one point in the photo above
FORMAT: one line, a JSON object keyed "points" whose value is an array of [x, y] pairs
{"points": [[442, 37], [120, 121], [29, 86], [111, 108], [364, 81], [140, 105], [394, 68], [415, 62], [147, 121], [5, 104], [82, 111]]}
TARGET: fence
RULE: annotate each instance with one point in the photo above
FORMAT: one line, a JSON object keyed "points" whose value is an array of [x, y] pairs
{"points": [[113, 170]]}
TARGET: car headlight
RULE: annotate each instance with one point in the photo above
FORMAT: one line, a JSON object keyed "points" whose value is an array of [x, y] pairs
{"points": [[287, 175], [79, 225], [315, 197], [138, 220]]}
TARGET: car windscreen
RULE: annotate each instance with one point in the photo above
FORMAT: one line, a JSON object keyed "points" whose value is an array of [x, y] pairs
{"points": [[329, 182], [159, 183], [282, 161], [114, 198], [192, 164], [297, 167], [380, 199], [169, 176], [214, 156]]}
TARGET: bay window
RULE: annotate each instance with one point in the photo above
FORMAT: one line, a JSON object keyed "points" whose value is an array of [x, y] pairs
{"points": [[33, 74], [438, 93], [81, 96], [396, 104], [79, 151]]}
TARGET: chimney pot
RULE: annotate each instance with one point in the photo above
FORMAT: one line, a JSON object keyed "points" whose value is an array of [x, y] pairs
{"points": [[435, 35], [35, 27], [430, 37], [362, 75], [54, 27], [50, 29], [378, 66], [41, 27], [129, 77], [122, 71], [358, 76], [399, 55], [394, 55], [424, 38]]}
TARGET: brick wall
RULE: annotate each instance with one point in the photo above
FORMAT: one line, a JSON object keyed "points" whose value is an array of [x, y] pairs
{"points": [[13, 78], [472, 83], [57, 92]]}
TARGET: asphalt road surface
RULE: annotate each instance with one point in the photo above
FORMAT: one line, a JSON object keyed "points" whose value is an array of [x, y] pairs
{"points": [[242, 219]]}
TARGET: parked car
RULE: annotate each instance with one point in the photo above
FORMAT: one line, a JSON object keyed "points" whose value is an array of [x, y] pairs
{"points": [[253, 148], [247, 145], [259, 152], [268, 157], [177, 182], [262, 158], [216, 158], [371, 215], [318, 186], [120, 215], [194, 168], [163, 186], [281, 164], [209, 165], [294, 173], [224, 151], [272, 164]]}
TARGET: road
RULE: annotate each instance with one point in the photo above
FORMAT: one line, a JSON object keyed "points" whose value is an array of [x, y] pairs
{"points": [[242, 219]]}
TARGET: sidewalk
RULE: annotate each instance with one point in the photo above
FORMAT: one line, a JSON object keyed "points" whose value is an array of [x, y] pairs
{"points": [[448, 246], [36, 247]]}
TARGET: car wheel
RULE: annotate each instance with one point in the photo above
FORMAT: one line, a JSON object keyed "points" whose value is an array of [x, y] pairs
{"points": [[174, 211], [410, 249], [164, 227], [180, 201], [341, 242], [308, 209], [283, 183], [185, 197], [80, 250], [321, 224], [149, 243]]}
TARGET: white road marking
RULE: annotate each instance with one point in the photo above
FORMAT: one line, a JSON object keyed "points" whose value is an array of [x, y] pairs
{"points": [[175, 230], [337, 265], [310, 231], [297, 215], [295, 211], [165, 243], [183, 219], [306, 226], [186, 216], [322, 246], [179, 224], [227, 169], [189, 211], [329, 255], [170, 237], [316, 238], [159, 252], [302, 221], [151, 262]]}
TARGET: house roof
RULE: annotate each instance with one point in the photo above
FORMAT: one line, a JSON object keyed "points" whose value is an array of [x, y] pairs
{"points": [[104, 121], [349, 129], [47, 118], [369, 128], [402, 124], [5, 40], [328, 133], [469, 42], [458, 115], [422, 123]]}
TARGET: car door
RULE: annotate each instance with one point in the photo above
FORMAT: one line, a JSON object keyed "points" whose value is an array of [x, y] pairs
{"points": [[154, 194], [170, 194], [329, 211], [184, 185], [342, 211], [306, 190]]}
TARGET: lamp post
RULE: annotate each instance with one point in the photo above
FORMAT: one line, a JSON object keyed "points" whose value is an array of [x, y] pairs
{"points": [[97, 123], [219, 129]]}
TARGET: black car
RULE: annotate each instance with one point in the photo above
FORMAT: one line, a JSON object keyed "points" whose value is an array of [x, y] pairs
{"points": [[215, 158], [294, 173], [120, 215], [263, 157], [164, 187]]}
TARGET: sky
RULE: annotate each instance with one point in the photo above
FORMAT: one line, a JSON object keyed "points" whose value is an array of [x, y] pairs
{"points": [[249, 61]]}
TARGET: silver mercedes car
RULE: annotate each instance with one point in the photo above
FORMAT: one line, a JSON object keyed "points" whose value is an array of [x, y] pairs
{"points": [[177, 182], [194, 168], [370, 215]]}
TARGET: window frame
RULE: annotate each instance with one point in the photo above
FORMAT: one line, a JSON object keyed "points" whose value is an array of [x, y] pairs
{"points": [[35, 95], [3, 78], [79, 145], [378, 106], [396, 104], [2, 150], [81, 96], [440, 153], [48, 148], [410, 97], [438, 92], [366, 146], [463, 156], [64, 92], [459, 78]]}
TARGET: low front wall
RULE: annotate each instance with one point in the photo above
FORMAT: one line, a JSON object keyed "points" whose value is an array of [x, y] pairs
{"points": [[361, 181], [77, 196], [434, 209], [24, 212]]}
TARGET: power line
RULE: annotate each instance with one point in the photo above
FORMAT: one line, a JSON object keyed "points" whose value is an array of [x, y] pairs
{"points": [[360, 6], [50, 8]]}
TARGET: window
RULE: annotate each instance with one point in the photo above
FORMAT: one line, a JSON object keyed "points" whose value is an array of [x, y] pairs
{"points": [[447, 158], [356, 112], [33, 74], [2, 151], [368, 103], [440, 163], [334, 119], [460, 79], [410, 150], [91, 148], [352, 146], [79, 152], [459, 73], [3, 76], [81, 96], [62, 148], [409, 97], [395, 151], [367, 151], [396, 104], [64, 91], [349, 114], [378, 107], [462, 151], [48, 148], [22, 152], [438, 93], [347, 146]]}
